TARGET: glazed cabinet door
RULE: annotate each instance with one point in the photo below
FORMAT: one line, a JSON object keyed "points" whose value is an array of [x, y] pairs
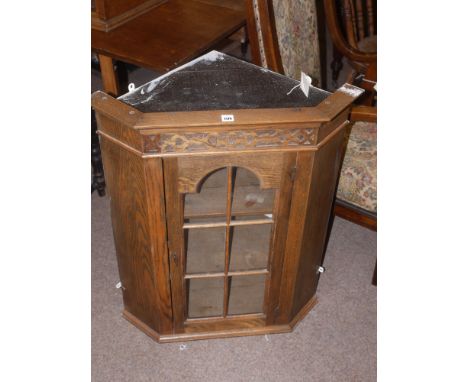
{"points": [[227, 219]]}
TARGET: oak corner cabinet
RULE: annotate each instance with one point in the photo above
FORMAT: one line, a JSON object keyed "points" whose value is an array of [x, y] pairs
{"points": [[221, 178]]}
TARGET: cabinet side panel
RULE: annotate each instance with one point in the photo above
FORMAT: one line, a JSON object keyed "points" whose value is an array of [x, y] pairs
{"points": [[296, 224], [319, 206], [283, 200], [175, 235], [125, 181], [158, 236]]}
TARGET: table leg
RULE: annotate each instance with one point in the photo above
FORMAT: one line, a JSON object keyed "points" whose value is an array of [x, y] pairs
{"points": [[244, 43], [336, 66], [114, 77], [374, 277], [110, 81]]}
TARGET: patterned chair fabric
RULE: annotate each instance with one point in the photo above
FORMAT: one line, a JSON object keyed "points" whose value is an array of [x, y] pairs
{"points": [[297, 32], [358, 180], [296, 27]]}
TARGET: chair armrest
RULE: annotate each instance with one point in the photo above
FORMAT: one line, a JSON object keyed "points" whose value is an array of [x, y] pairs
{"points": [[363, 113], [338, 39]]}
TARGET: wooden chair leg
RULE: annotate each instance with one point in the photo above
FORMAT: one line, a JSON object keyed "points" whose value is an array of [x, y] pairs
{"points": [[122, 76], [114, 79], [336, 66], [331, 221], [374, 277], [244, 43], [110, 80], [98, 183]]}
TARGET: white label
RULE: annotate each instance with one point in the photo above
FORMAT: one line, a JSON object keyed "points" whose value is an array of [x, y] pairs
{"points": [[306, 81], [227, 117]]}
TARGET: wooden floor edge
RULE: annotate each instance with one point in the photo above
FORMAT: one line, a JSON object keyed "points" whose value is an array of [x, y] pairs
{"points": [[227, 333]]}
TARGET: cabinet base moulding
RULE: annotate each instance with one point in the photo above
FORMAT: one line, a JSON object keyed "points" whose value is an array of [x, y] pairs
{"points": [[256, 328]]}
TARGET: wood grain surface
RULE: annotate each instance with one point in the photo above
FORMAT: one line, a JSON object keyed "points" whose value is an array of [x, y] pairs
{"points": [[290, 159], [193, 169], [168, 35], [109, 15]]}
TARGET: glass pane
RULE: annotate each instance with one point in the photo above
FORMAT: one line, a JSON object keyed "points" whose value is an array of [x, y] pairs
{"points": [[250, 247], [205, 249], [205, 297], [248, 198], [205, 220], [246, 294], [211, 200]]}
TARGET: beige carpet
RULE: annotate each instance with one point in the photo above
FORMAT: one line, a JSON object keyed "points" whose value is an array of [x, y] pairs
{"points": [[335, 342]]}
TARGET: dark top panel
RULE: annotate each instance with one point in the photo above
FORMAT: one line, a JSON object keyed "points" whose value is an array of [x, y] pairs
{"points": [[217, 81]]}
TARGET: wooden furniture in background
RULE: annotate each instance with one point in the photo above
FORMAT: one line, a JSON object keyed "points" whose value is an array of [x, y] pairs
{"points": [[263, 37], [110, 14], [165, 37], [221, 189], [353, 29], [374, 277], [97, 183], [350, 210]]}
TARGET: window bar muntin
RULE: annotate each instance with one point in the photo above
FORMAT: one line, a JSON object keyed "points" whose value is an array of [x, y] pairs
{"points": [[233, 223], [228, 238], [249, 272], [276, 203]]}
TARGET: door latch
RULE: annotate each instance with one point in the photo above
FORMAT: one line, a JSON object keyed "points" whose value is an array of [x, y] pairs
{"points": [[173, 256], [292, 173]]}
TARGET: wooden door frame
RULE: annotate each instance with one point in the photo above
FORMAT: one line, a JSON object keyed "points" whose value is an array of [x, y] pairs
{"points": [[176, 241]]}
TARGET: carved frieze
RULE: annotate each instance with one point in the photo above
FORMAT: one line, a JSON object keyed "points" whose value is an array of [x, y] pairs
{"points": [[228, 140]]}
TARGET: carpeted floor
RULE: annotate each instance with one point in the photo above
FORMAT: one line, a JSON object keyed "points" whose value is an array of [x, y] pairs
{"points": [[335, 342]]}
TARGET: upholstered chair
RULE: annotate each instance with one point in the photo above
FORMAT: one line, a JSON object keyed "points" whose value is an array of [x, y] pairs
{"points": [[284, 36], [352, 26], [356, 196]]}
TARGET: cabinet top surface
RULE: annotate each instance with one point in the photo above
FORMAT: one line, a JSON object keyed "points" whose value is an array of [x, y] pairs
{"points": [[217, 81]]}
